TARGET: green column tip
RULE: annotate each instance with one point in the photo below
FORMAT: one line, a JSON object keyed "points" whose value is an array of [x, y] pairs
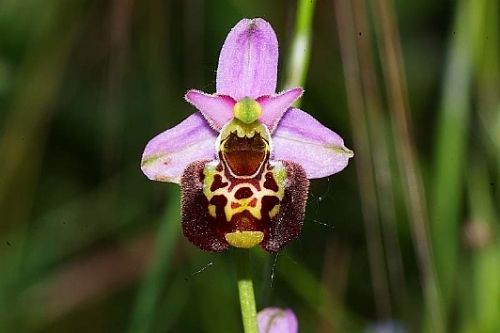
{"points": [[247, 110]]}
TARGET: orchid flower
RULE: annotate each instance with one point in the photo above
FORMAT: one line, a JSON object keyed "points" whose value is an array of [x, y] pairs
{"points": [[276, 320], [243, 161]]}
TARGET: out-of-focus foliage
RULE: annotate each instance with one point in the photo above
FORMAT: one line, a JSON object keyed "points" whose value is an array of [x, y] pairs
{"points": [[405, 239]]}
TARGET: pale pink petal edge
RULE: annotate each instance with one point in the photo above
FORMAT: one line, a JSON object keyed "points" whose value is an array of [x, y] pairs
{"points": [[167, 155], [302, 139]]}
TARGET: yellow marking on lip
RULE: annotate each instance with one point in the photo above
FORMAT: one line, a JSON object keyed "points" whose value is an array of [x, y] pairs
{"points": [[273, 212], [212, 210], [242, 129], [255, 211], [244, 239]]}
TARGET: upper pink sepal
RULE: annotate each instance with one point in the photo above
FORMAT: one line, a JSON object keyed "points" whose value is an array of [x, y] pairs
{"points": [[248, 62], [302, 139], [217, 110], [169, 153], [273, 107]]}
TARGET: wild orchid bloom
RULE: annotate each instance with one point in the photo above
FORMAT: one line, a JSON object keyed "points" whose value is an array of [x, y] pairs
{"points": [[243, 162], [276, 320]]}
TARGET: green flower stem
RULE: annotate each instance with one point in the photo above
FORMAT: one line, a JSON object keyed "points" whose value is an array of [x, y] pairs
{"points": [[298, 60], [245, 289]]}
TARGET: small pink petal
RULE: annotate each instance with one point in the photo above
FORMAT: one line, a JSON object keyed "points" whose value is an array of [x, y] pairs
{"points": [[273, 107], [276, 320], [248, 61], [302, 139], [168, 154], [217, 110]]}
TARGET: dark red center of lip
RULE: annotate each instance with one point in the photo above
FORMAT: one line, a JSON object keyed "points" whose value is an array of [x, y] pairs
{"points": [[243, 193], [244, 155]]}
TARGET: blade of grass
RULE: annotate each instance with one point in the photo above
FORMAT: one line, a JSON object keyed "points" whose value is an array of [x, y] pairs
{"points": [[146, 304], [394, 77], [314, 295], [209, 270], [146, 313], [178, 290], [298, 58], [482, 230], [120, 21], [85, 218], [25, 130], [364, 162], [451, 144], [488, 76], [28, 120], [486, 246], [102, 274], [379, 147], [335, 277]]}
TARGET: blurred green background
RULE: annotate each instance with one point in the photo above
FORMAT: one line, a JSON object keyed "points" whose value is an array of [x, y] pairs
{"points": [[406, 239]]}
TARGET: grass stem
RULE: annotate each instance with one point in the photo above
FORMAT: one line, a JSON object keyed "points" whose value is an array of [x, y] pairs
{"points": [[298, 60], [148, 298]]}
